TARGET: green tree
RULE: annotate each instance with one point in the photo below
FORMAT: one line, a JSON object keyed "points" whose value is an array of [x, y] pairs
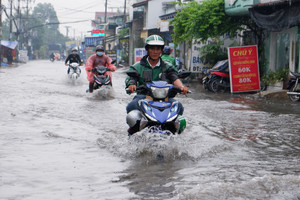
{"points": [[201, 21], [46, 13], [204, 20], [44, 27], [37, 31], [123, 32], [212, 53]]}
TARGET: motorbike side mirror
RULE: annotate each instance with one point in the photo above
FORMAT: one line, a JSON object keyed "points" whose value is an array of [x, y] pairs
{"points": [[184, 74], [133, 74]]}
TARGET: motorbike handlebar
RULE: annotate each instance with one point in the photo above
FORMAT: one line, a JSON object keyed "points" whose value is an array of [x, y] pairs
{"points": [[94, 69], [143, 88]]}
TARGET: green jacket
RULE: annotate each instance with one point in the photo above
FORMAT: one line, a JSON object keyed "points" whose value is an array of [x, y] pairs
{"points": [[169, 59], [165, 72]]}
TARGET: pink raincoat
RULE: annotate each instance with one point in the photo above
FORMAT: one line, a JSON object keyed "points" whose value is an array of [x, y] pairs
{"points": [[95, 61]]}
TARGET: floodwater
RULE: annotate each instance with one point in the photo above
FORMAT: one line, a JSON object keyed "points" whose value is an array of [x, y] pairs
{"points": [[57, 142]]}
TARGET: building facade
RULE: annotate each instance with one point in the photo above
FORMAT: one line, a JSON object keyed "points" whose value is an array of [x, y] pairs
{"points": [[280, 19]]}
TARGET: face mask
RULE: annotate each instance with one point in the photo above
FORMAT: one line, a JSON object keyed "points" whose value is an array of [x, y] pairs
{"points": [[100, 53]]}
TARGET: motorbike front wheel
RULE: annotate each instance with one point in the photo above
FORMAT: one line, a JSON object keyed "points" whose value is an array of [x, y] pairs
{"points": [[214, 85], [293, 97]]}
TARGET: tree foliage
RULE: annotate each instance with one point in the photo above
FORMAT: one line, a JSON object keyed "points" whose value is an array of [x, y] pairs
{"points": [[203, 20], [123, 32], [45, 26], [46, 13], [212, 53], [200, 21]]}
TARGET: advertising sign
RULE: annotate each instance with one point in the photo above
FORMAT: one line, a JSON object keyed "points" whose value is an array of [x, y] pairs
{"points": [[99, 32], [164, 26], [90, 51], [112, 54], [244, 70], [196, 62], [139, 53], [93, 41]]}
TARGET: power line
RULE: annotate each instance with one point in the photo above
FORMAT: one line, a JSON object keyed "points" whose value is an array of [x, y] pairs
{"points": [[55, 23]]}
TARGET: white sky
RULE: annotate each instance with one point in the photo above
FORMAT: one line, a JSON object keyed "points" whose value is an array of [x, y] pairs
{"points": [[75, 10]]}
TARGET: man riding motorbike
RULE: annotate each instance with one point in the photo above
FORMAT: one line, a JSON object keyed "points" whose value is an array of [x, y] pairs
{"points": [[52, 56], [73, 57], [98, 59], [166, 56], [152, 68]]}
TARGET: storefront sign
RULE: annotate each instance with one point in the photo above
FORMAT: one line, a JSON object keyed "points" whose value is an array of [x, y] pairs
{"points": [[244, 70], [196, 62], [112, 54], [139, 53], [164, 26]]}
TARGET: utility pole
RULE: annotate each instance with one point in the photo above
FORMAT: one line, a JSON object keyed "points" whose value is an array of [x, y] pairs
{"points": [[10, 20], [67, 30], [105, 21], [0, 31], [124, 19]]}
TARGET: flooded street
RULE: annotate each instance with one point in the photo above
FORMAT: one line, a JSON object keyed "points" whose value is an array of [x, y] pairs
{"points": [[57, 142]]}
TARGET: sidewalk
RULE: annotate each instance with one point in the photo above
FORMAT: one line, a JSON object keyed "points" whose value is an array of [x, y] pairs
{"points": [[280, 94]]}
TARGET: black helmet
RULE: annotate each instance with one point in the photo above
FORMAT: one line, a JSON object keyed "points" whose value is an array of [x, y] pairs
{"points": [[167, 50], [99, 48]]}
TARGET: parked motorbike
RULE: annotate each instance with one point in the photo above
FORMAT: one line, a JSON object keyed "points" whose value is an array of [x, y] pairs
{"points": [[217, 78], [156, 112], [74, 71], [294, 87]]}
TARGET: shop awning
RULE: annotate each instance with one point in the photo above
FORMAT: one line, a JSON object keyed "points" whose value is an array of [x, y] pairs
{"points": [[9, 44], [277, 16], [139, 4]]}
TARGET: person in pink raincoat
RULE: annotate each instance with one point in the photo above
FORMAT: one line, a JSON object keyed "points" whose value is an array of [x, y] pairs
{"points": [[98, 59]]}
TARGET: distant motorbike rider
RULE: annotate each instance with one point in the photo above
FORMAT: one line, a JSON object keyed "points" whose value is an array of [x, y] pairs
{"points": [[152, 68], [166, 56], [95, 60], [52, 56], [73, 57]]}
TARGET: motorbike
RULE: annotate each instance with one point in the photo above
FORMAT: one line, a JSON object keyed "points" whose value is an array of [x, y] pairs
{"points": [[74, 71], [100, 78], [294, 87], [155, 111], [217, 78]]}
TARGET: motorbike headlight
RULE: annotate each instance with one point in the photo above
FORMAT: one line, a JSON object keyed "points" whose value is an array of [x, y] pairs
{"points": [[148, 110], [172, 118], [173, 112], [160, 93], [146, 106], [174, 107]]}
